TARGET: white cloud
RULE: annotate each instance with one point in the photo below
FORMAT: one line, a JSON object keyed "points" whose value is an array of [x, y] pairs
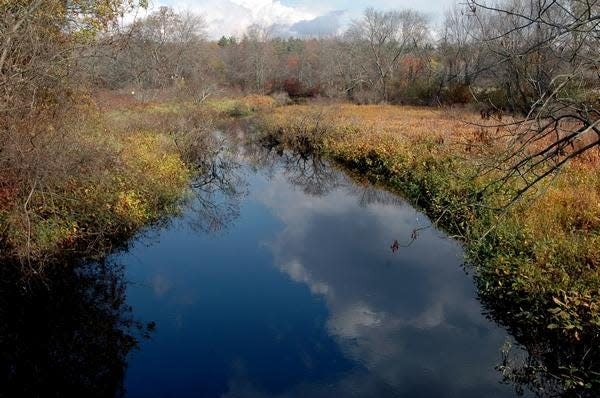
{"points": [[352, 321], [303, 18], [232, 17]]}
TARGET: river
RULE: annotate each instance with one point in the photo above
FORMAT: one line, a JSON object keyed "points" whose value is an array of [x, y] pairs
{"points": [[283, 277]]}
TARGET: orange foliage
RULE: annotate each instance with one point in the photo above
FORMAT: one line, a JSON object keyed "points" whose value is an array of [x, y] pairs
{"points": [[258, 102]]}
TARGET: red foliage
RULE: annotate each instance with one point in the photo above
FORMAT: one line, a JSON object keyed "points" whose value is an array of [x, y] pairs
{"points": [[292, 61], [412, 63], [8, 191], [295, 89]]}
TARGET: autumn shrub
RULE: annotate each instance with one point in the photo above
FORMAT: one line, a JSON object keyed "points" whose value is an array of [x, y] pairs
{"points": [[281, 98], [457, 94], [415, 92], [496, 97], [258, 102], [106, 175]]}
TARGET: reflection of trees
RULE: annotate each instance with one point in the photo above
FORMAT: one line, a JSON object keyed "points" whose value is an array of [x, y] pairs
{"points": [[554, 366], [310, 172], [68, 335], [300, 164], [264, 157], [370, 195], [307, 171], [218, 191]]}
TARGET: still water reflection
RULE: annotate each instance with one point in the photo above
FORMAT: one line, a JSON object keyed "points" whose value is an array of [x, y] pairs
{"points": [[301, 296], [277, 281]]}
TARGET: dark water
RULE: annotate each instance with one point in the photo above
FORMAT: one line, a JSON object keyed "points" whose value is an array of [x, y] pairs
{"points": [[278, 281], [301, 295]]}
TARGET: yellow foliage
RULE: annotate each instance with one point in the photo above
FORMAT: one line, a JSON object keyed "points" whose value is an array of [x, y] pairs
{"points": [[142, 183], [130, 205], [258, 102]]}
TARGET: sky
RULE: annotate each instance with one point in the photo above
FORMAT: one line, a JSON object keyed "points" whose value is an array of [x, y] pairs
{"points": [[292, 17]]}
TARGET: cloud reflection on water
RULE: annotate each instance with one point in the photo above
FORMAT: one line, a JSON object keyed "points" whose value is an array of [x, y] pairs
{"points": [[411, 319]]}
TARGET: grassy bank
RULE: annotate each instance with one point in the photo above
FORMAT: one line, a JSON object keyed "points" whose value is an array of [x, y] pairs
{"points": [[106, 175], [113, 167], [537, 263]]}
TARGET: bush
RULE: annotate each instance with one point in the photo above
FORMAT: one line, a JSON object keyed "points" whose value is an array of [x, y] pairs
{"points": [[239, 110], [457, 94], [417, 92], [122, 170], [496, 97]]}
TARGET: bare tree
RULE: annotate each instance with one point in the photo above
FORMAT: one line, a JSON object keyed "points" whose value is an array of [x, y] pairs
{"points": [[39, 43], [258, 54], [548, 49], [460, 50], [168, 46], [387, 36]]}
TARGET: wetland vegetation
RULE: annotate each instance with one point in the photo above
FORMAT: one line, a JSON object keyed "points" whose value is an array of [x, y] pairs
{"points": [[472, 141]]}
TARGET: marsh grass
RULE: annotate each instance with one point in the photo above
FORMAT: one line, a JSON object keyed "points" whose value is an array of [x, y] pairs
{"points": [[114, 171], [241, 106]]}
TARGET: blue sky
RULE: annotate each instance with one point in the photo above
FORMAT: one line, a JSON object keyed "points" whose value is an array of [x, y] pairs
{"points": [[232, 17]]}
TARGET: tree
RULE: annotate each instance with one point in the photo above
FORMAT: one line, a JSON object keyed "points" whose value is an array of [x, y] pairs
{"points": [[460, 50], [387, 37], [549, 50], [225, 41], [41, 44], [166, 50], [167, 46], [258, 53]]}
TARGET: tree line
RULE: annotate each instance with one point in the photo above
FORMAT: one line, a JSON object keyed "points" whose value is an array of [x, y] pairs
{"points": [[534, 59], [508, 55], [537, 59]]}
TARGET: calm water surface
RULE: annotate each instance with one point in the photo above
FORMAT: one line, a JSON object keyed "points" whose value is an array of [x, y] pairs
{"points": [[286, 286], [278, 280]]}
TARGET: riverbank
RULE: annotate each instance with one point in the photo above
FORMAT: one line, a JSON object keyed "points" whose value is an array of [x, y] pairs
{"points": [[111, 183], [104, 174], [539, 259]]}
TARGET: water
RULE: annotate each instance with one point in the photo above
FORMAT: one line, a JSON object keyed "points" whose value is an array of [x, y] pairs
{"points": [[301, 295], [279, 280]]}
